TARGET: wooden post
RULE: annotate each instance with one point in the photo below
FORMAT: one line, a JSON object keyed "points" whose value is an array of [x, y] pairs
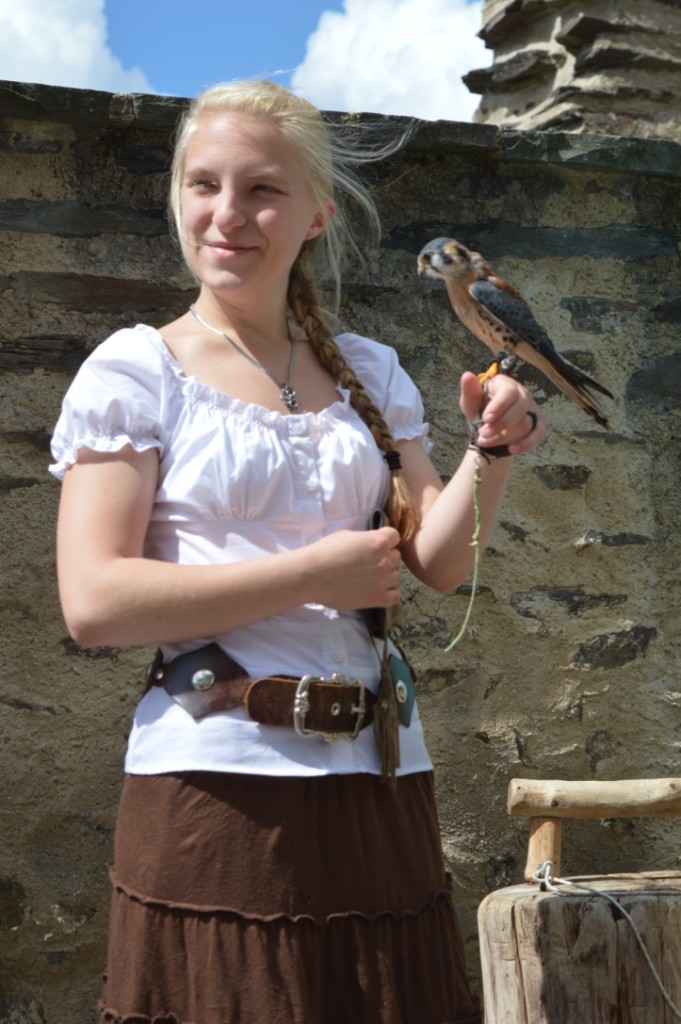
{"points": [[544, 845], [572, 957]]}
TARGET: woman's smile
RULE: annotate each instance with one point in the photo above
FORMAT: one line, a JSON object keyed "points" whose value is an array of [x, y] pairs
{"points": [[228, 250]]}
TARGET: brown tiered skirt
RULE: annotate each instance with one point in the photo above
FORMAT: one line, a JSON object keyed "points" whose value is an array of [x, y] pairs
{"points": [[241, 899]]}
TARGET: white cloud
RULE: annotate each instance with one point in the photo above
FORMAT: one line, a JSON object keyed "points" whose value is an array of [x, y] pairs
{"points": [[395, 57], [62, 42]]}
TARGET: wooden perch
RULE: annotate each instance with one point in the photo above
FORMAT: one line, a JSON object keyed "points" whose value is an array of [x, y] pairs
{"points": [[545, 802]]}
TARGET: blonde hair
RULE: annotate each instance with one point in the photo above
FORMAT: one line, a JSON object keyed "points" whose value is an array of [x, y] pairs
{"points": [[330, 163]]}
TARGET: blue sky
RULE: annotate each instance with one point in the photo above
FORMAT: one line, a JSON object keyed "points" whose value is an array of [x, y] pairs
{"points": [[226, 39], [387, 56]]}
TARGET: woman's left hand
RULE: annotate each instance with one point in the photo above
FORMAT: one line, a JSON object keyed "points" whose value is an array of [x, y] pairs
{"points": [[510, 416]]}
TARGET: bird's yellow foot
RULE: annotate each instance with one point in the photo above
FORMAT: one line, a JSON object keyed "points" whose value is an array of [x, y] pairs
{"points": [[502, 363], [492, 370]]}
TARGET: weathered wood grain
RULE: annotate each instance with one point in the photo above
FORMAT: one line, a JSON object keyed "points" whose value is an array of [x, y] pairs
{"points": [[574, 959]]}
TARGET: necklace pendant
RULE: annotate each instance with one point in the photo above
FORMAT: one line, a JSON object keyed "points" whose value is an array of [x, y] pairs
{"points": [[288, 396], [287, 393]]}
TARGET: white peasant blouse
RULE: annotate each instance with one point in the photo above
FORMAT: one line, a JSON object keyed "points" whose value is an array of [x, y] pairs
{"points": [[239, 481]]}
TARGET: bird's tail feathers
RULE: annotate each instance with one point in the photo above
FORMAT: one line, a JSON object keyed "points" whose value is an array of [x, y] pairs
{"points": [[577, 384], [580, 376]]}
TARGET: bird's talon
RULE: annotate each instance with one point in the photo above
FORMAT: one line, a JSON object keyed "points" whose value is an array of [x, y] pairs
{"points": [[492, 370]]}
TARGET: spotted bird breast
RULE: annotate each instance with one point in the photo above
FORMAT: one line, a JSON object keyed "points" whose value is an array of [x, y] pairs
{"points": [[485, 326]]}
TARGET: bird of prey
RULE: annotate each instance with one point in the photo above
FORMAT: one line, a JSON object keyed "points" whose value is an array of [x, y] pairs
{"points": [[499, 316]]}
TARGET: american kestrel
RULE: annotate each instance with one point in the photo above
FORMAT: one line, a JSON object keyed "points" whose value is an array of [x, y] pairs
{"points": [[499, 316]]}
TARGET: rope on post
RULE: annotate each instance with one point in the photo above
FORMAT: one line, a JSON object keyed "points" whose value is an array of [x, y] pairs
{"points": [[548, 883]]}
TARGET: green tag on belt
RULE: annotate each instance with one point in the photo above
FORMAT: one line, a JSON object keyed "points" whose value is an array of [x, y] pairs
{"points": [[405, 691]]}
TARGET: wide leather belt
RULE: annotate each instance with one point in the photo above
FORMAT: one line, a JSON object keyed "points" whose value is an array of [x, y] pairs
{"points": [[208, 680]]}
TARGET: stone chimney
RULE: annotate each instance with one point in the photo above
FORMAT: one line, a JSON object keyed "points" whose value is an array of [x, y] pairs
{"points": [[610, 66]]}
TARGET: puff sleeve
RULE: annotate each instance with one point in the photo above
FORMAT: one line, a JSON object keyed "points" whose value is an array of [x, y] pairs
{"points": [[115, 399], [389, 385]]}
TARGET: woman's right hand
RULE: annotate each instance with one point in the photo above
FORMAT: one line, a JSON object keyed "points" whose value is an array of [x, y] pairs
{"points": [[355, 569]]}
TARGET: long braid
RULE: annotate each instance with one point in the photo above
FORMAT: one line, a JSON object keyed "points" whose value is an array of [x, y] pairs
{"points": [[304, 305]]}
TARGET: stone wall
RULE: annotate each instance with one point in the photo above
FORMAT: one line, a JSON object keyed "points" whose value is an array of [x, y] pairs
{"points": [[571, 666], [607, 66]]}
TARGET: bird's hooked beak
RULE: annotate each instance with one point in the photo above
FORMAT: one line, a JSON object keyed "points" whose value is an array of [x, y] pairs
{"points": [[431, 258], [437, 256]]}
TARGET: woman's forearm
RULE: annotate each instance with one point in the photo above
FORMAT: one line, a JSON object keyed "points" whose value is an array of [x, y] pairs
{"points": [[112, 595], [135, 601], [441, 554]]}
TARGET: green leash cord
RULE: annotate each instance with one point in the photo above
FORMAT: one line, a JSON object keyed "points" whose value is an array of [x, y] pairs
{"points": [[475, 544]]}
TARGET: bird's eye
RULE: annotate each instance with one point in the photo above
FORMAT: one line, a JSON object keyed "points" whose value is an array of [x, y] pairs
{"points": [[461, 252]]}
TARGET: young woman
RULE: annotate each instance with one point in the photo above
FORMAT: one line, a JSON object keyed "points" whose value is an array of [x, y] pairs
{"points": [[219, 477]]}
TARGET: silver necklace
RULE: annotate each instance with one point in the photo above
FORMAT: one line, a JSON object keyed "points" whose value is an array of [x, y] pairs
{"points": [[287, 393]]}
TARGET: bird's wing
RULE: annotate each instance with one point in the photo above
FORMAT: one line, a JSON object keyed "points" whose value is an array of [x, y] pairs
{"points": [[534, 345], [507, 306]]}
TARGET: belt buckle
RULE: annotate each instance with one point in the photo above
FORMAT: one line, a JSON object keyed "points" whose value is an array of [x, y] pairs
{"points": [[301, 706]]}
